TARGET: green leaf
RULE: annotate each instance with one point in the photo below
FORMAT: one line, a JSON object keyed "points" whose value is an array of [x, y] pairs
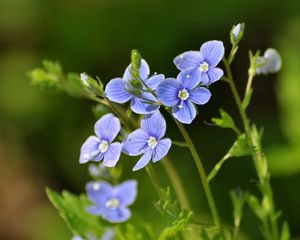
{"points": [[72, 210], [177, 219], [241, 147], [51, 76], [238, 199], [256, 207], [285, 231], [225, 121], [247, 99]]}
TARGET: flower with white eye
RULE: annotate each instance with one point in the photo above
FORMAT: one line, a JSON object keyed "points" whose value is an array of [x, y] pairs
{"points": [[99, 147], [111, 202]]}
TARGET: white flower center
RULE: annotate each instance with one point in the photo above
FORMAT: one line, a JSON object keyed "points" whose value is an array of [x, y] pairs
{"points": [[112, 203], [204, 67], [183, 94], [103, 146], [152, 142], [96, 186]]}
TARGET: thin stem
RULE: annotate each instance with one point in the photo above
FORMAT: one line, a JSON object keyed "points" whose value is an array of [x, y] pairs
{"points": [[202, 174], [154, 179], [177, 184], [259, 159], [180, 144]]}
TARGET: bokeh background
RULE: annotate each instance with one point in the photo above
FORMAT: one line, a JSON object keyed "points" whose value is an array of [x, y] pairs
{"points": [[41, 131]]}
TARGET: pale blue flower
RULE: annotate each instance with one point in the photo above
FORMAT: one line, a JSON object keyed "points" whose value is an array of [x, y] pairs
{"points": [[122, 90], [148, 141], [99, 147], [111, 202], [109, 234], [203, 62], [269, 63], [182, 93]]}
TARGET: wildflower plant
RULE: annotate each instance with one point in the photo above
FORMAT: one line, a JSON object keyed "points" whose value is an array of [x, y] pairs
{"points": [[104, 209]]}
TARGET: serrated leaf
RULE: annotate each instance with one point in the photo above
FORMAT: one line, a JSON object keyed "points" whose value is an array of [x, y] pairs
{"points": [[177, 219], [241, 147], [225, 121], [72, 210]]}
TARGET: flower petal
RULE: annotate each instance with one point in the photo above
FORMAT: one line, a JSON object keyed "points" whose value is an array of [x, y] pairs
{"points": [[115, 91], [212, 52], [186, 113], [99, 192], [154, 124], [189, 59], [161, 149], [107, 127], [167, 92], [144, 71], [117, 215], [135, 143], [189, 78], [126, 192], [112, 155], [143, 161], [200, 95], [211, 76], [154, 80], [89, 149], [140, 106], [95, 210]]}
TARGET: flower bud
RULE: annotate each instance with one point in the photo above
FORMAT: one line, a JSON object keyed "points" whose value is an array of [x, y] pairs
{"points": [[237, 33]]}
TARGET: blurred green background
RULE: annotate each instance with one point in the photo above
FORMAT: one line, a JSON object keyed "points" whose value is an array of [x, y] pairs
{"points": [[41, 131]]}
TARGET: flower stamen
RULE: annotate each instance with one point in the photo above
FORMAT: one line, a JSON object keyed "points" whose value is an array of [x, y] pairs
{"points": [[103, 146], [204, 67], [183, 94], [112, 203], [152, 142]]}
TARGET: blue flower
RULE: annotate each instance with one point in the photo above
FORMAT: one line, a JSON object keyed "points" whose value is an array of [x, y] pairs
{"points": [[122, 90], [148, 140], [269, 63], [109, 234], [181, 93], [111, 202], [203, 61], [99, 147]]}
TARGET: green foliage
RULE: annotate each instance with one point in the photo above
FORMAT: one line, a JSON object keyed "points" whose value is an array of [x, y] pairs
{"points": [[225, 121], [72, 210], [285, 232], [238, 199], [241, 147], [177, 219], [247, 99], [285, 156], [51, 76]]}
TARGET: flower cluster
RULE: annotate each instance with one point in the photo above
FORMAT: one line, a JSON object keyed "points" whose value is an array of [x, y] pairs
{"points": [[198, 69]]}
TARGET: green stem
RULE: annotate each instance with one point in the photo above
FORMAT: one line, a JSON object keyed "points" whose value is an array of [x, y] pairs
{"points": [[259, 159], [202, 174], [154, 179], [177, 184]]}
